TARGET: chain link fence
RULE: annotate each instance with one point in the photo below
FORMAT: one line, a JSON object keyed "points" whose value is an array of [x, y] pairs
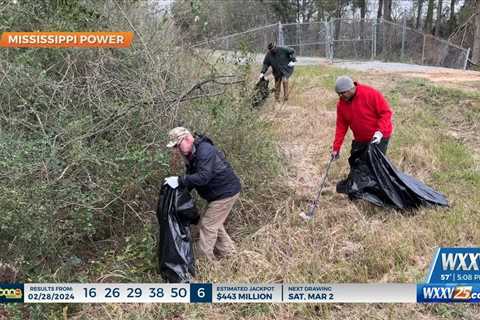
{"points": [[349, 39]]}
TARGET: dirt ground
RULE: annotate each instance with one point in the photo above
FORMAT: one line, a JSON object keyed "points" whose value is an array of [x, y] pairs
{"points": [[455, 78]]}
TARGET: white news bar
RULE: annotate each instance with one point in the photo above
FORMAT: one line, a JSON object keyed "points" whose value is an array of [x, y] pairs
{"points": [[107, 293], [350, 293], [218, 293]]}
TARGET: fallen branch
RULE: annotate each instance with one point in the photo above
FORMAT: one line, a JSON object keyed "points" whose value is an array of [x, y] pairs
{"points": [[199, 96], [460, 28], [204, 82], [473, 64]]}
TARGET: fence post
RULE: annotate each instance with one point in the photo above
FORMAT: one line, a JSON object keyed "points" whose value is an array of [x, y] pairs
{"points": [[280, 41], [466, 59], [404, 29]]}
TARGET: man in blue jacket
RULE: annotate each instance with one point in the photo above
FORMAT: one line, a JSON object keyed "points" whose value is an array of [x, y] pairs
{"points": [[211, 175], [282, 60]]}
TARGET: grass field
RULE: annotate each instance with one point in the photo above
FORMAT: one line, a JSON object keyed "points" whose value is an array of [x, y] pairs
{"points": [[435, 140]]}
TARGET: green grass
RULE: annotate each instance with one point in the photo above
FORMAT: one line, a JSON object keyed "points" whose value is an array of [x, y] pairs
{"points": [[323, 76]]}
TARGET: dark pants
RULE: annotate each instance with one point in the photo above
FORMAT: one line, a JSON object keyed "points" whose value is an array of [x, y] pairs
{"points": [[356, 146]]}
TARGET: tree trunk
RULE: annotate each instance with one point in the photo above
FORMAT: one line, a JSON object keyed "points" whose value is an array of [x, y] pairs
{"points": [[379, 40], [298, 11], [438, 21], [321, 12], [387, 10], [363, 8], [452, 21], [338, 22], [363, 13], [380, 10], [419, 14], [429, 19], [387, 28], [476, 36]]}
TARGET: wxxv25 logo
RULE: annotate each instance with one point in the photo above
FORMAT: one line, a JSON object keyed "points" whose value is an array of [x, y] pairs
{"points": [[448, 293], [11, 292], [455, 265], [454, 276]]}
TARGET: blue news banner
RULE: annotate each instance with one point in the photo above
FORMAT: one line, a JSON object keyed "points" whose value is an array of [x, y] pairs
{"points": [[454, 276]]}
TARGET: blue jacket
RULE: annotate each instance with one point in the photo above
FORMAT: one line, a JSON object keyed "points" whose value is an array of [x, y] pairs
{"points": [[278, 59], [209, 172]]}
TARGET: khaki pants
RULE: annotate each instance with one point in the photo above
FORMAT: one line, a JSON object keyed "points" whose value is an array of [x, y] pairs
{"points": [[212, 232], [278, 85]]}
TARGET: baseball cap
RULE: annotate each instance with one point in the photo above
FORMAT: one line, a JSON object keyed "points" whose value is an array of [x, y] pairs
{"points": [[176, 135]]}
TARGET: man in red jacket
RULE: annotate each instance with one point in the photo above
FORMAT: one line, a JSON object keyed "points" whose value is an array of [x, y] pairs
{"points": [[365, 111]]}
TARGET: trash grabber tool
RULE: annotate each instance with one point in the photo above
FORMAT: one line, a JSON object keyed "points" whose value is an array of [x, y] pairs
{"points": [[313, 206]]}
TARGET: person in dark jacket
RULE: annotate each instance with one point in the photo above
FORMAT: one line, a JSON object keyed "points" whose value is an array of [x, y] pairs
{"points": [[282, 60], [365, 111], [208, 172]]}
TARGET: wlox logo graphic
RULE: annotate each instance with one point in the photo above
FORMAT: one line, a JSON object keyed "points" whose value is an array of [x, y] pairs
{"points": [[11, 292], [455, 265]]}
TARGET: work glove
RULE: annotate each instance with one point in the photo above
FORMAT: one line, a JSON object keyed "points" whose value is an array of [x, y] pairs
{"points": [[335, 155], [291, 64], [377, 137], [261, 76], [172, 182]]}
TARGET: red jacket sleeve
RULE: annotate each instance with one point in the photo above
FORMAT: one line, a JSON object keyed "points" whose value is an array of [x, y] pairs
{"points": [[340, 130], [384, 123]]}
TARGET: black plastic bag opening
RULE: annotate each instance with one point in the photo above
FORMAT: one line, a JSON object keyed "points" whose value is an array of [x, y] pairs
{"points": [[261, 93], [175, 212], [375, 179]]}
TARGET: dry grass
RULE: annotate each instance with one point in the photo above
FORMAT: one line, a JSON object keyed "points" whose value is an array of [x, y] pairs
{"points": [[347, 241]]}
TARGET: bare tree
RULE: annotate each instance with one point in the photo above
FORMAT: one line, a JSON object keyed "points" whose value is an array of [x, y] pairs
{"points": [[338, 15], [363, 12], [439, 18], [363, 9], [380, 10], [362, 4], [476, 37], [452, 21], [378, 30], [429, 19], [419, 14], [387, 10]]}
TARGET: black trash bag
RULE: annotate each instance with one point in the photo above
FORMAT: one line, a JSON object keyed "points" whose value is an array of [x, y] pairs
{"points": [[374, 178], [186, 209], [261, 93], [175, 212]]}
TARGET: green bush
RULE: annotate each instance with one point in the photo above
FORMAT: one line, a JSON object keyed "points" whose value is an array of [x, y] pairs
{"points": [[82, 140]]}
